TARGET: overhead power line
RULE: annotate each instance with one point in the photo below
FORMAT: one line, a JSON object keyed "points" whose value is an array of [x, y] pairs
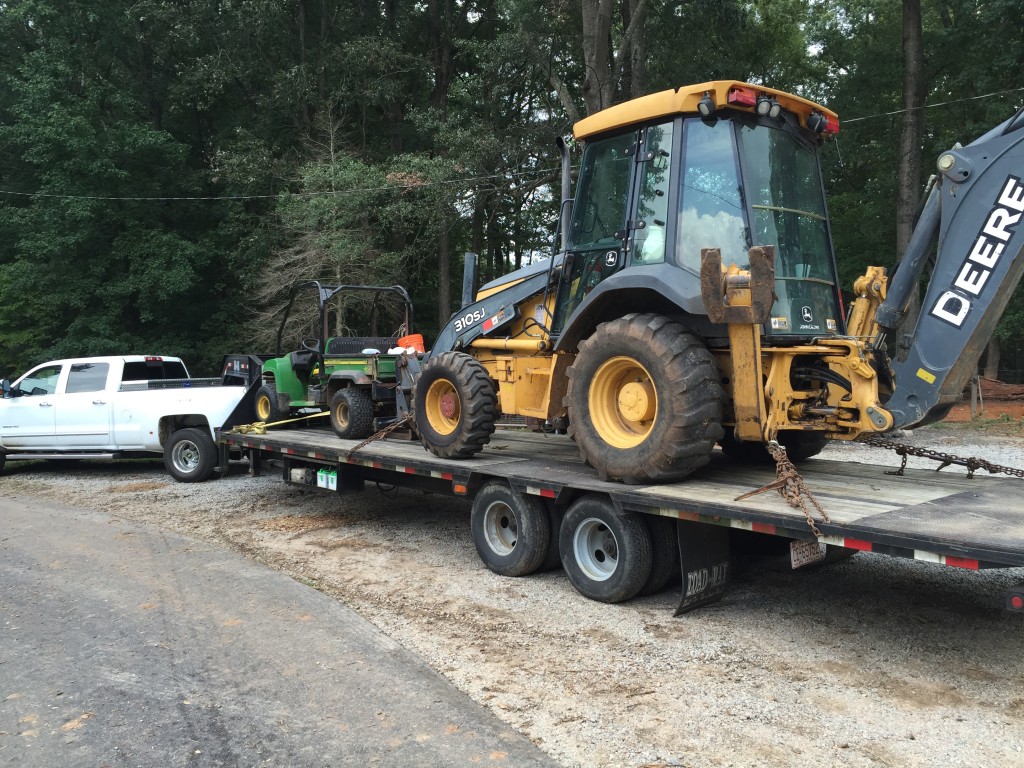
{"points": [[430, 184]]}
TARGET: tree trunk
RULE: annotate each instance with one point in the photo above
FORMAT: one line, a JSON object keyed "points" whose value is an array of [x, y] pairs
{"points": [[598, 81], [908, 187], [992, 355]]}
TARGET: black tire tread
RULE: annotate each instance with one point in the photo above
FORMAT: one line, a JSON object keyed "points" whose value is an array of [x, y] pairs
{"points": [[360, 411], [694, 407]]}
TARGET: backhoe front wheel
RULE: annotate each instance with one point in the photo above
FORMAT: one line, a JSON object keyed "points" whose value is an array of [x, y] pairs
{"points": [[644, 400], [455, 406]]}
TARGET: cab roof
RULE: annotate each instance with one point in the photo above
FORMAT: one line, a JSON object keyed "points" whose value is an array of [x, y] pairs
{"points": [[684, 100]]}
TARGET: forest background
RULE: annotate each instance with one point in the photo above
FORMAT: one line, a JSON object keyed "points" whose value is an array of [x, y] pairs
{"points": [[169, 167]]}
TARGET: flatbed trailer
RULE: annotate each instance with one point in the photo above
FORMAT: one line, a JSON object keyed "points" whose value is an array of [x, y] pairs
{"points": [[535, 503]]}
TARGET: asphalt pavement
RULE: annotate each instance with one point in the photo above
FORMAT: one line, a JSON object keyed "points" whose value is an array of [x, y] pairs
{"points": [[126, 645]]}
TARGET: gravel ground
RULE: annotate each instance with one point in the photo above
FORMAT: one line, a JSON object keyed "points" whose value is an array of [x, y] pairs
{"points": [[870, 661]]}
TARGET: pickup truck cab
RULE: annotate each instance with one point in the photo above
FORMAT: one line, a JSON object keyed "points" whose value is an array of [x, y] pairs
{"points": [[115, 407]]}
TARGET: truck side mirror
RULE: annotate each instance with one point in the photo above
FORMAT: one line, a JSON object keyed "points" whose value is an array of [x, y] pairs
{"points": [[5, 387]]}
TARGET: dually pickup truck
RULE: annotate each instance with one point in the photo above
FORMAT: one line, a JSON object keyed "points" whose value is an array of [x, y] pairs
{"points": [[116, 407]]}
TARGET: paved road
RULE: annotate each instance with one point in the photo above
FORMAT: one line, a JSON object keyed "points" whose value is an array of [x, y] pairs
{"points": [[123, 645]]}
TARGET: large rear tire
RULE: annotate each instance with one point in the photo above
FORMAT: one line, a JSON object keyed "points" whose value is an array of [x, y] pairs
{"points": [[644, 400], [455, 406], [511, 532], [352, 414], [606, 553]]}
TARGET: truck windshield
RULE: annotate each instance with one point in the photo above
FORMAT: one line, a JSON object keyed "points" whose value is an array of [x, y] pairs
{"points": [[783, 190]]}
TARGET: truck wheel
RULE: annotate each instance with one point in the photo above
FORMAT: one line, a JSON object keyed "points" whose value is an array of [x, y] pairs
{"points": [[800, 446], [644, 400], [511, 532], [352, 414], [265, 405], [606, 553], [190, 455], [664, 553], [455, 406]]}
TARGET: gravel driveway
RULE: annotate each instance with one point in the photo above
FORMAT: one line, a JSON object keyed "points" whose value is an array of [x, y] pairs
{"points": [[871, 661]]}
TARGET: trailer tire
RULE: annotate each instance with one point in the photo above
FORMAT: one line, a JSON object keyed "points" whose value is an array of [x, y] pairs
{"points": [[644, 400], [799, 446], [664, 553], [511, 532], [352, 414], [190, 455], [455, 406], [606, 553], [265, 405], [553, 559], [3, 461]]}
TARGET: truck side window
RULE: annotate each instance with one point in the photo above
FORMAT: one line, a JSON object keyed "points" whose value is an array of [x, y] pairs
{"points": [[711, 211], [42, 381], [87, 377]]}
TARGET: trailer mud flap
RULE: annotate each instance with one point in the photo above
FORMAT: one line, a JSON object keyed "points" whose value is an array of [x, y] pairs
{"points": [[705, 560]]}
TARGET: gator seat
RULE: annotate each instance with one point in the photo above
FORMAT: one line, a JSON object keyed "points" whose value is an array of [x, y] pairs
{"points": [[354, 345]]}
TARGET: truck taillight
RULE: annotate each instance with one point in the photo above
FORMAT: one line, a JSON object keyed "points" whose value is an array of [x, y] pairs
{"points": [[152, 359]]}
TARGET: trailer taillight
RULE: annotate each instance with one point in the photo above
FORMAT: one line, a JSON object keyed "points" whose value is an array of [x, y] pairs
{"points": [[1015, 599]]}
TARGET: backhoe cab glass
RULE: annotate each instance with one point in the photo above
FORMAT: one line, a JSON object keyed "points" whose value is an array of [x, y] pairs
{"points": [[747, 184]]}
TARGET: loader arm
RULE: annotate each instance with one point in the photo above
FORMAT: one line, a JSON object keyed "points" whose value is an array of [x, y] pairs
{"points": [[973, 218]]}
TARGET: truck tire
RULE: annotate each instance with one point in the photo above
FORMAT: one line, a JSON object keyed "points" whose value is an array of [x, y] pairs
{"points": [[799, 445], [352, 414], [606, 553], [511, 531], [664, 553], [553, 559], [644, 400], [190, 455], [3, 461], [265, 405], [455, 406]]}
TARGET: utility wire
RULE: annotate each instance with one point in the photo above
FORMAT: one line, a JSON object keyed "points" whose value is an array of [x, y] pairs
{"points": [[930, 106], [431, 184]]}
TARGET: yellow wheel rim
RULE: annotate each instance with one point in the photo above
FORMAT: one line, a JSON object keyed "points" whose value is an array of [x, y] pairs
{"points": [[443, 407], [623, 402], [262, 407], [341, 415]]}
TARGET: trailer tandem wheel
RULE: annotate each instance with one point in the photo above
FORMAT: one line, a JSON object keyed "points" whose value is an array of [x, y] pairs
{"points": [[511, 531], [606, 553]]}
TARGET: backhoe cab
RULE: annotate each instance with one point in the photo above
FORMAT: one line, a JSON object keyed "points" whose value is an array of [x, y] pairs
{"points": [[694, 298]]}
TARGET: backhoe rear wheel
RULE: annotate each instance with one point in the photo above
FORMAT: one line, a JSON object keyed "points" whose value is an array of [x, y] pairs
{"points": [[644, 400], [455, 406]]}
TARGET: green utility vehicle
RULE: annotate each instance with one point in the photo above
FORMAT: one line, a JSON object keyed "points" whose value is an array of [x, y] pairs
{"points": [[352, 376]]}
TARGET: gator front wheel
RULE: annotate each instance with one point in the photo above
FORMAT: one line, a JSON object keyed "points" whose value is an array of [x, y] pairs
{"points": [[455, 406], [644, 400]]}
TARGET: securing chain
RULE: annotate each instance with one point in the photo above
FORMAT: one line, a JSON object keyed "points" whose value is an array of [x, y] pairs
{"points": [[945, 459], [791, 486], [404, 421]]}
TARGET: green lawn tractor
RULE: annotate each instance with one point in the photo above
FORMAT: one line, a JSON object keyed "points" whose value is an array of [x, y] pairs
{"points": [[351, 376]]}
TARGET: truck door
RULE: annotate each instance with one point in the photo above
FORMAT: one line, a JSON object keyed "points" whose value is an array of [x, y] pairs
{"points": [[29, 416], [85, 408]]}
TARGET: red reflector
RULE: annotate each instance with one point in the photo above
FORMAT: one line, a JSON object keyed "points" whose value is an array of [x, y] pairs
{"points": [[763, 528], [547, 493], [1017, 602], [832, 126], [962, 562], [744, 96], [863, 546]]}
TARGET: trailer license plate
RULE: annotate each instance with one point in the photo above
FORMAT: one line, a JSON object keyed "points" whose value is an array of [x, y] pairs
{"points": [[802, 553]]}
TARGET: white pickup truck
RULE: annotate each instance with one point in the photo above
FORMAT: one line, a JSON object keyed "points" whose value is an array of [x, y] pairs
{"points": [[116, 407]]}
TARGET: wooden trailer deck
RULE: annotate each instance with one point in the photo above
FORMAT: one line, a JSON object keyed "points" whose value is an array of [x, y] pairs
{"points": [[942, 517]]}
